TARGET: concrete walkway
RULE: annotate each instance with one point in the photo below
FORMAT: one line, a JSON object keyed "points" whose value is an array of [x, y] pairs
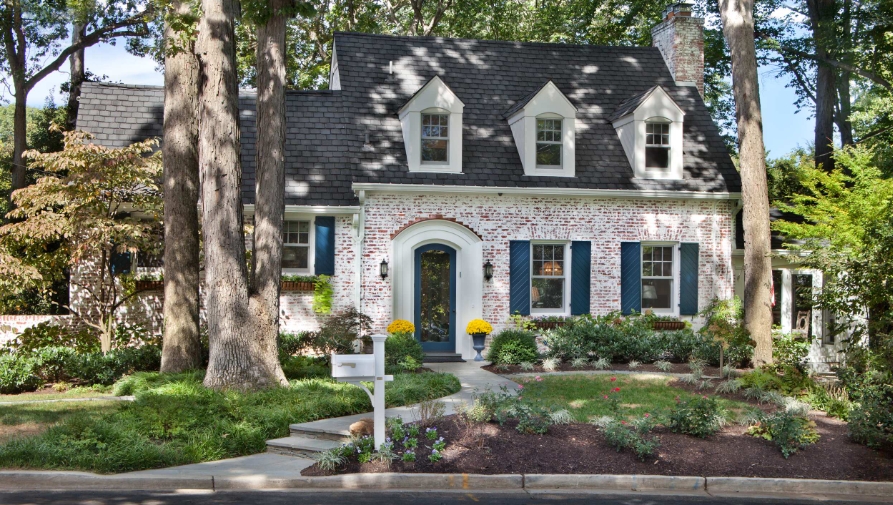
{"points": [[287, 456]]}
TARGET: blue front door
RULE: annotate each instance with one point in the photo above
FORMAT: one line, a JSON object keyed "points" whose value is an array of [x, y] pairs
{"points": [[435, 297]]}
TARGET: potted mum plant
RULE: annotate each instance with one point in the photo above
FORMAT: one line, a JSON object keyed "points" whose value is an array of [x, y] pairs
{"points": [[478, 329]]}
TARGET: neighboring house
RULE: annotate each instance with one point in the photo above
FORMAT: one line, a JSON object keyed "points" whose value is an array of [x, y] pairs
{"points": [[586, 179]]}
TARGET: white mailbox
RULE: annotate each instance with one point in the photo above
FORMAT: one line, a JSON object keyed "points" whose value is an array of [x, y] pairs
{"points": [[353, 366]]}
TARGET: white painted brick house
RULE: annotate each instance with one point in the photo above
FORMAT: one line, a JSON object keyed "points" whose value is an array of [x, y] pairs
{"points": [[588, 179]]}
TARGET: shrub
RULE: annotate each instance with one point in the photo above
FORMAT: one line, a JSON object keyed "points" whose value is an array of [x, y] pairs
{"points": [[51, 335], [786, 430], [524, 348], [18, 374], [871, 418], [400, 346], [790, 350], [760, 380], [700, 417], [622, 435], [291, 343], [305, 367], [338, 332], [724, 333]]}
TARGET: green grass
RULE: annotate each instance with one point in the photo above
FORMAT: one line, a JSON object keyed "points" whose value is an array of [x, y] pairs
{"points": [[583, 395], [72, 393], [175, 421]]}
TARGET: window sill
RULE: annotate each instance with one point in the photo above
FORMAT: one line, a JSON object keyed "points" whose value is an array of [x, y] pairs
{"points": [[436, 168]]}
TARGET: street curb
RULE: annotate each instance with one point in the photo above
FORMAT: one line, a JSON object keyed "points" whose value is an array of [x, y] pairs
{"points": [[615, 482], [415, 481], [19, 480], [746, 485], [16, 480]]}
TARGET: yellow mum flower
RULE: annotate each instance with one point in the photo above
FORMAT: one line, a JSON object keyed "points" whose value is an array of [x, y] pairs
{"points": [[478, 326], [401, 326]]}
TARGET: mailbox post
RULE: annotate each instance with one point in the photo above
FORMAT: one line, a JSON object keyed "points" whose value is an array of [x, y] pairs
{"points": [[358, 368]]}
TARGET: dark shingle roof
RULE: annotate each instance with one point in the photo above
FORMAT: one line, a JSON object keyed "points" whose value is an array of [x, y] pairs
{"points": [[490, 77], [631, 105], [327, 131], [317, 160]]}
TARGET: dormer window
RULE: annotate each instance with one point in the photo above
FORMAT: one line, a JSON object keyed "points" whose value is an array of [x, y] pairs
{"points": [[657, 144], [432, 129], [548, 143], [435, 138], [544, 127], [649, 126]]}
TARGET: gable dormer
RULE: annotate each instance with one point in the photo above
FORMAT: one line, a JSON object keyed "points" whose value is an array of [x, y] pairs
{"points": [[432, 129], [544, 127], [650, 129]]}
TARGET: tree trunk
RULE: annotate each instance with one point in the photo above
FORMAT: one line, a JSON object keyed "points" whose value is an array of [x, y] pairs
{"points": [[182, 341], [238, 359], [842, 118], [821, 15], [76, 67], [270, 203], [737, 20], [20, 138]]}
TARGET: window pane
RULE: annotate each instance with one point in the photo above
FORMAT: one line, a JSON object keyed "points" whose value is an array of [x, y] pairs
{"points": [[548, 154], [434, 150], [296, 232], [295, 257], [657, 293], [547, 293], [657, 157], [537, 252], [776, 309]]}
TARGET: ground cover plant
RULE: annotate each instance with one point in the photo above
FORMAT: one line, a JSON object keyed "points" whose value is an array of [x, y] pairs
{"points": [[174, 420]]}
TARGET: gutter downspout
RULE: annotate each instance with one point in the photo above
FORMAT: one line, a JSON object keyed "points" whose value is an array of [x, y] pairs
{"points": [[361, 238]]}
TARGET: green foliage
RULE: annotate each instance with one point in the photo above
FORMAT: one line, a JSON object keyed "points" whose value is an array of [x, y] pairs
{"points": [[304, 367], [47, 334], [322, 295], [632, 435], [399, 347], [724, 324], [514, 345], [700, 417], [531, 417], [299, 278], [338, 332], [790, 350], [787, 431], [175, 420], [869, 382], [291, 343], [17, 375]]}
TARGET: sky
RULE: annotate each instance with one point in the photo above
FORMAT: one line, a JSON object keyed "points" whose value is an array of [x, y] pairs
{"points": [[783, 128]]}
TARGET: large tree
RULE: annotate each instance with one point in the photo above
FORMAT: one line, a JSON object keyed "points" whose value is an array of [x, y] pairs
{"points": [[181, 348], [737, 22], [242, 355], [33, 33]]}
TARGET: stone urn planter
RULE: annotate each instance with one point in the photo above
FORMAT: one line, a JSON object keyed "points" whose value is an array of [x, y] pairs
{"points": [[297, 286], [149, 285], [478, 341], [668, 325]]}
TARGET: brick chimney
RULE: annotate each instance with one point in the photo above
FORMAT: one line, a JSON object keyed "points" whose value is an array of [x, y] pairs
{"points": [[680, 38]]}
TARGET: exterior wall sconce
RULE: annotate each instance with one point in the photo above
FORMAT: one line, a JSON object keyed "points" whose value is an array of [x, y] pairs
{"points": [[383, 269], [488, 270]]}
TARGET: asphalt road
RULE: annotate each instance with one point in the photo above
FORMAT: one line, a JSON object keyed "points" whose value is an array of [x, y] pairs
{"points": [[370, 497]]}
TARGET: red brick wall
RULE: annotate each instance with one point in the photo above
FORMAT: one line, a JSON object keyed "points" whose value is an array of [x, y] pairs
{"points": [[681, 42]]}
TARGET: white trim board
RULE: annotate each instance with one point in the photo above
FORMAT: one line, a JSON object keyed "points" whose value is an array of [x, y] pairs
{"points": [[567, 192], [321, 210]]}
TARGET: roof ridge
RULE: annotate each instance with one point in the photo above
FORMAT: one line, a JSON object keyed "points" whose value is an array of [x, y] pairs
{"points": [[492, 41]]}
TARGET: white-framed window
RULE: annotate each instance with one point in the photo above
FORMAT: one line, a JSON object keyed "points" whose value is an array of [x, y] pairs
{"points": [[548, 143], [658, 277], [657, 145], [435, 138], [297, 246], [549, 282]]}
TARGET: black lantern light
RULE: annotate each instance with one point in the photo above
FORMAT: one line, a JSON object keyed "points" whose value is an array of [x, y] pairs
{"points": [[488, 270], [384, 269]]}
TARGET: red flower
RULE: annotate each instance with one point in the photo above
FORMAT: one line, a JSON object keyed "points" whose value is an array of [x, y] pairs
{"points": [[520, 386], [606, 397], [616, 390], [647, 415], [613, 379], [622, 422]]}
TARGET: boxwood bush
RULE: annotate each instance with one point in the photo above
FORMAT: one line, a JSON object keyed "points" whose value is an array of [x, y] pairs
{"points": [[400, 345], [513, 346]]}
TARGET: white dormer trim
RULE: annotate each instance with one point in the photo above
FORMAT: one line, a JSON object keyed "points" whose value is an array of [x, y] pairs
{"points": [[434, 97], [548, 103], [334, 75], [657, 107]]}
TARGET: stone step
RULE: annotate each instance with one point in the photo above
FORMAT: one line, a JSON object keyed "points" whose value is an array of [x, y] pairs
{"points": [[320, 433], [443, 357], [300, 446]]}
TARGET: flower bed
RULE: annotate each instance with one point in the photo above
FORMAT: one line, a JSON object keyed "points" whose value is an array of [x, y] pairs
{"points": [[149, 285], [297, 286]]}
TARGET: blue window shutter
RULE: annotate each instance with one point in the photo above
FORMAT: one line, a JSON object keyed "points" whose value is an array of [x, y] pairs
{"points": [[120, 262], [630, 277], [519, 277], [688, 279], [581, 260], [325, 246]]}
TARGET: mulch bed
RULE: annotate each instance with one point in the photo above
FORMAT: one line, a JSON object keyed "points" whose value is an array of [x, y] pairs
{"points": [[615, 367], [581, 449]]}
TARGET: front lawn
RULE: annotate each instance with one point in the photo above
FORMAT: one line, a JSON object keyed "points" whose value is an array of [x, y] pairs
{"points": [[584, 395], [29, 419], [175, 420]]}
